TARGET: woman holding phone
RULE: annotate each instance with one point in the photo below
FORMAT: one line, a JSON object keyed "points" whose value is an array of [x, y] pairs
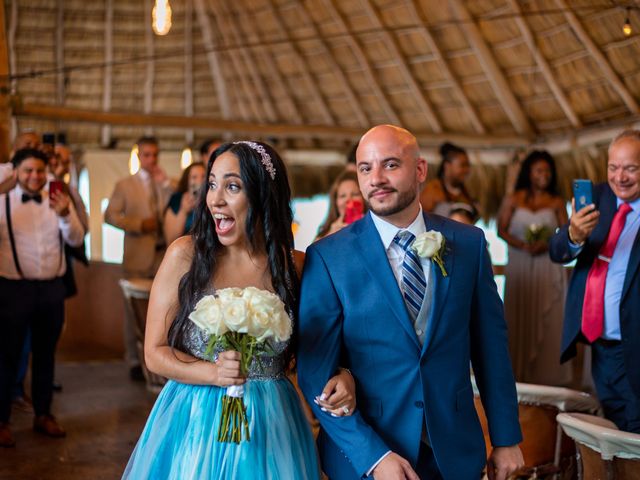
{"points": [[346, 204], [178, 217], [534, 286]]}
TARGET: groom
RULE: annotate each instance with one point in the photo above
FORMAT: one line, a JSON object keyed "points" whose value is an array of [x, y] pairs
{"points": [[408, 330]]}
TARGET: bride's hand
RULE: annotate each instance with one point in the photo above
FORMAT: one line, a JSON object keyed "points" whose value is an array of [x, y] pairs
{"points": [[339, 395], [228, 369]]}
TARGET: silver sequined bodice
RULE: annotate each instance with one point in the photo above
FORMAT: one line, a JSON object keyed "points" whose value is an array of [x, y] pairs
{"points": [[264, 366]]}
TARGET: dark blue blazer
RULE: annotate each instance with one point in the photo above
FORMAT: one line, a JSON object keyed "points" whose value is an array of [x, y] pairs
{"points": [[605, 201], [352, 314]]}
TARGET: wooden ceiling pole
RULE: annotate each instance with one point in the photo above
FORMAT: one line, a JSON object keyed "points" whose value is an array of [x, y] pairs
{"points": [[332, 131], [336, 69], [107, 82], [13, 63], [149, 80], [250, 64], [606, 68], [410, 79], [358, 52], [448, 73], [189, 135], [5, 109], [60, 77], [496, 78], [274, 73], [242, 77], [213, 60], [543, 65], [314, 88]]}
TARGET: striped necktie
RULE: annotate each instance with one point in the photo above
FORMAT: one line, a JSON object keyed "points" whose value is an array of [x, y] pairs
{"points": [[413, 280]]}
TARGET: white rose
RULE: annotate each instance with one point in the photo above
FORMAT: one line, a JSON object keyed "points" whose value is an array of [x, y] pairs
{"points": [[428, 244], [208, 316], [266, 314], [283, 327], [236, 315]]}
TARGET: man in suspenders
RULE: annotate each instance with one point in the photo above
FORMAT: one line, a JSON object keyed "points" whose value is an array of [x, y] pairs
{"points": [[33, 229]]}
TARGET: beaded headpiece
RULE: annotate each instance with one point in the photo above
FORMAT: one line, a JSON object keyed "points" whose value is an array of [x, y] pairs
{"points": [[265, 158]]}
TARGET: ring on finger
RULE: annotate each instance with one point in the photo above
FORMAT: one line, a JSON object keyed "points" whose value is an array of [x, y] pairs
{"points": [[345, 409]]}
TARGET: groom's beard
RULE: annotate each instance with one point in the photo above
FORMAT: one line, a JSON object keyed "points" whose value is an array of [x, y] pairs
{"points": [[403, 200]]}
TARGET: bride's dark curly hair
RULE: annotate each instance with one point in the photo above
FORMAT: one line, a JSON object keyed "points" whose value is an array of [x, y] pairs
{"points": [[268, 226]]}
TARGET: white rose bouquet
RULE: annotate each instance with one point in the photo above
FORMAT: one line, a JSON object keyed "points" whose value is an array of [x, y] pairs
{"points": [[243, 320], [536, 233]]}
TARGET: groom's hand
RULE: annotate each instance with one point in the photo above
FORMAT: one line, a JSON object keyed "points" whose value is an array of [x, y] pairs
{"points": [[394, 467], [503, 462]]}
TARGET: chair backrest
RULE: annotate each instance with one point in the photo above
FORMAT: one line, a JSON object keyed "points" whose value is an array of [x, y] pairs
{"points": [[619, 451], [136, 291]]}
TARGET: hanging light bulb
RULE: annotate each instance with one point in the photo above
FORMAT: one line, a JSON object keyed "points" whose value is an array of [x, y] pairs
{"points": [[161, 17], [186, 158], [134, 161], [626, 28]]}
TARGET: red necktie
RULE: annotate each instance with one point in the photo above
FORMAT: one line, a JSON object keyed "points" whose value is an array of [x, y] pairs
{"points": [[593, 306]]}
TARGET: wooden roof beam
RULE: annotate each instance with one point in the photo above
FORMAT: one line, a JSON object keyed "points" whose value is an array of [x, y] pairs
{"points": [[281, 130], [497, 80], [188, 66], [606, 68], [242, 74], [5, 111], [107, 82], [337, 70], [273, 70], [59, 39], [410, 79], [250, 63], [358, 52], [147, 104], [213, 59], [542, 63], [420, 17], [314, 88]]}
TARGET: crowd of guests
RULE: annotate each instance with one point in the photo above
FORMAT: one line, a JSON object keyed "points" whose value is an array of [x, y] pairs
{"points": [[43, 223]]}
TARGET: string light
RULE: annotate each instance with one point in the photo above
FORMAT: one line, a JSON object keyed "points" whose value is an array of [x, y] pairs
{"points": [[134, 161], [161, 17], [626, 28], [186, 158]]}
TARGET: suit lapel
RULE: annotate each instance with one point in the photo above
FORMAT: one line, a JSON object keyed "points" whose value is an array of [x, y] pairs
{"points": [[441, 283], [632, 266], [374, 258]]}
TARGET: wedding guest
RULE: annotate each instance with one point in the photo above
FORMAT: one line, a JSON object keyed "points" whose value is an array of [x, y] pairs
{"points": [[33, 228], [534, 286], [343, 192], [178, 216], [603, 302], [448, 188], [463, 213], [241, 238], [136, 206]]}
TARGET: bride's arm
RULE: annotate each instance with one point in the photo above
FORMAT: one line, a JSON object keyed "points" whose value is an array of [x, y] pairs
{"points": [[339, 394], [163, 301]]}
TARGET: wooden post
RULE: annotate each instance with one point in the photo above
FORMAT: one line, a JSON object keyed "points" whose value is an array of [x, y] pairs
{"points": [[108, 69], [5, 110]]}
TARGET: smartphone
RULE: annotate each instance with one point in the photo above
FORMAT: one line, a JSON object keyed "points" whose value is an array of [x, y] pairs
{"points": [[583, 193], [56, 187], [354, 210]]}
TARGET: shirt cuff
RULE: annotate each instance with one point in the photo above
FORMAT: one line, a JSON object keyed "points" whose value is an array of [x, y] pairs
{"points": [[373, 467], [574, 248]]}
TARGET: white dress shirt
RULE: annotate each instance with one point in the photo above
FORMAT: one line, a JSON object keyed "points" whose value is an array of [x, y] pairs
{"points": [[36, 231], [395, 254]]}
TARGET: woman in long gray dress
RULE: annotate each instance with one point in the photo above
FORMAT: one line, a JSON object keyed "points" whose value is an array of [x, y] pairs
{"points": [[535, 287]]}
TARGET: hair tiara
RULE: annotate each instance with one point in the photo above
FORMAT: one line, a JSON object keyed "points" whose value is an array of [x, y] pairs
{"points": [[265, 158]]}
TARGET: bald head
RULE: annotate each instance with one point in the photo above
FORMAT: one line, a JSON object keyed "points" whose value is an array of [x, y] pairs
{"points": [[384, 136]]}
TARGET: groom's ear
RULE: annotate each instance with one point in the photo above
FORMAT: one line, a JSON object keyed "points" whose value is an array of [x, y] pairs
{"points": [[421, 170]]}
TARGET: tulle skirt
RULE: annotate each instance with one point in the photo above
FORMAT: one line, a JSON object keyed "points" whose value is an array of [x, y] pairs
{"points": [[179, 440]]}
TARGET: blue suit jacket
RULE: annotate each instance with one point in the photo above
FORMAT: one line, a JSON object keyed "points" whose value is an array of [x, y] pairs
{"points": [[605, 201], [352, 314]]}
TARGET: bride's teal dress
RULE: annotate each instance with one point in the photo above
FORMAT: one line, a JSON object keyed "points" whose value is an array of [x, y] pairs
{"points": [[179, 440]]}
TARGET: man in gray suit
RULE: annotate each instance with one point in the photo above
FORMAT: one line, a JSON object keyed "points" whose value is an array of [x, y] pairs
{"points": [[137, 206]]}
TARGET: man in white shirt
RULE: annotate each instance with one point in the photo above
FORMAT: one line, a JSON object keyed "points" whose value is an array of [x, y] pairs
{"points": [[137, 206], [33, 229], [407, 321]]}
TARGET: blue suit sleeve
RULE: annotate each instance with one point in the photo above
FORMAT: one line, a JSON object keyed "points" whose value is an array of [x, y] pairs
{"points": [[319, 351], [560, 247], [490, 358]]}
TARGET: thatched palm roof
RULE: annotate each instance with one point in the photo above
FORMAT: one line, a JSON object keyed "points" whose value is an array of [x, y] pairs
{"points": [[317, 73]]}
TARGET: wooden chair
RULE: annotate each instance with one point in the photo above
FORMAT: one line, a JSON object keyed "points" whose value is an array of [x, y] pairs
{"points": [[546, 450], [604, 452], [136, 291]]}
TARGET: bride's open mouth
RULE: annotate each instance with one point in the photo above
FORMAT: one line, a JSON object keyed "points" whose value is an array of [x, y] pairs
{"points": [[223, 223]]}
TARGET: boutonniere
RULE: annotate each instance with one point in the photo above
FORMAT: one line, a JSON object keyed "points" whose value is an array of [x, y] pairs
{"points": [[431, 245]]}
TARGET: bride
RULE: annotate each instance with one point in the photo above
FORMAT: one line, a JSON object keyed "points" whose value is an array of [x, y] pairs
{"points": [[241, 238]]}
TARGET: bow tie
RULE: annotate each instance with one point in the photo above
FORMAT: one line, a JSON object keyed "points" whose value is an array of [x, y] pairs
{"points": [[36, 198]]}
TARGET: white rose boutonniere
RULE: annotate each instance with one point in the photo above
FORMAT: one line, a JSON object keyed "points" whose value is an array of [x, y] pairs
{"points": [[431, 245]]}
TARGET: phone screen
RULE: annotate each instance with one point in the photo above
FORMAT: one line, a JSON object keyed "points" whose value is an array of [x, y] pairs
{"points": [[55, 187]]}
